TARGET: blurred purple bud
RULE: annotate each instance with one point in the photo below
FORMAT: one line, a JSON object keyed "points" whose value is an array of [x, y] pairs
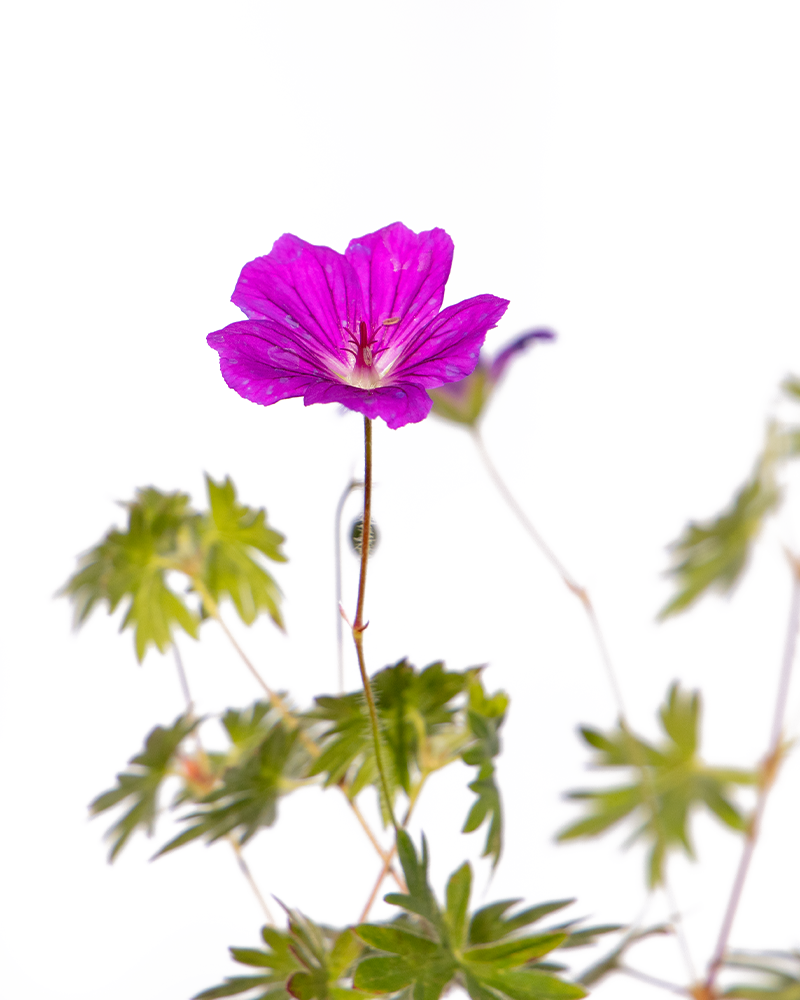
{"points": [[500, 363]]}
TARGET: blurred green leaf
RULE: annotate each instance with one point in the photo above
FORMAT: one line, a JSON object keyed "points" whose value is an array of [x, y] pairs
{"points": [[307, 961], [229, 535], [267, 761], [446, 948], [776, 975], [714, 553], [141, 784], [791, 386], [133, 564], [428, 719], [215, 551], [670, 782], [613, 962], [485, 716]]}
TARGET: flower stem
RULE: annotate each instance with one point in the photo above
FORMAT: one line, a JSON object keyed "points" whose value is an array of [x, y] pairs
{"points": [[580, 592], [359, 625], [583, 596], [769, 771], [286, 713]]}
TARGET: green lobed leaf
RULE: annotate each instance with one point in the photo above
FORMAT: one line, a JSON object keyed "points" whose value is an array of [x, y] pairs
{"points": [[485, 716], [165, 534], [714, 553], [266, 762], [422, 728], [427, 956], [306, 961], [140, 785], [230, 536], [133, 564], [670, 782]]}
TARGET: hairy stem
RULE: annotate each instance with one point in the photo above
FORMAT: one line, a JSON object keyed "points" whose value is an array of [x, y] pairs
{"points": [[769, 770], [359, 625]]}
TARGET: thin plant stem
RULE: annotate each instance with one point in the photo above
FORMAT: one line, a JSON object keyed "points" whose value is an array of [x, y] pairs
{"points": [[354, 484], [583, 596], [243, 866], [183, 680], [769, 771], [676, 918], [245, 870], [359, 625], [654, 981], [570, 582], [286, 713], [385, 870], [385, 856]]}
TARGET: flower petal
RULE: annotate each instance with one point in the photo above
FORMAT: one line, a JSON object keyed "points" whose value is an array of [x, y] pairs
{"points": [[447, 349], [500, 363], [262, 363], [402, 276], [302, 287], [398, 405]]}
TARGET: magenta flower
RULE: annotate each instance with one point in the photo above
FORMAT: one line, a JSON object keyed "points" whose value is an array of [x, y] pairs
{"points": [[363, 328], [464, 402]]}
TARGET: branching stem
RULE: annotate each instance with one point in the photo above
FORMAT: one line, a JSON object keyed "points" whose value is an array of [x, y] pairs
{"points": [[769, 770]]}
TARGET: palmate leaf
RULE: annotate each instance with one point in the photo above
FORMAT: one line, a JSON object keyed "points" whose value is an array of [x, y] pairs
{"points": [[670, 782], [139, 787], [164, 534], [428, 719], [485, 716], [307, 961], [266, 761], [776, 975], [414, 708], [230, 535], [714, 553], [133, 564], [445, 947]]}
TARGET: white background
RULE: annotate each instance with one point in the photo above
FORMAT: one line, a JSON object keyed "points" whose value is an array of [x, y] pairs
{"points": [[624, 172]]}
